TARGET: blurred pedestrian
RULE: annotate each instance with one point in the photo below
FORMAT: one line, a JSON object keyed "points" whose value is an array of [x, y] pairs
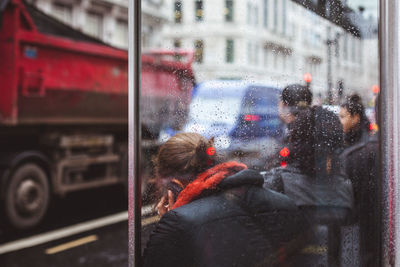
{"points": [[318, 126], [360, 163], [309, 162], [355, 122], [218, 214]]}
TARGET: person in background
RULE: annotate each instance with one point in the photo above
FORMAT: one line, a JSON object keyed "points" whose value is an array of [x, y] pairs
{"points": [[354, 121], [310, 153], [218, 214], [309, 161], [318, 126], [360, 163]]}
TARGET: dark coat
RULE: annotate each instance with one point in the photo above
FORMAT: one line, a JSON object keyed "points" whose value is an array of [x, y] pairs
{"points": [[360, 163], [307, 191], [239, 224]]}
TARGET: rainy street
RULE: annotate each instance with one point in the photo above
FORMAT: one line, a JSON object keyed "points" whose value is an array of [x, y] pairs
{"points": [[101, 240], [86, 229], [104, 247]]}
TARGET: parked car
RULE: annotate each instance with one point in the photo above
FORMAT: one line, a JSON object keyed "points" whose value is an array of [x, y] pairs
{"points": [[241, 116]]}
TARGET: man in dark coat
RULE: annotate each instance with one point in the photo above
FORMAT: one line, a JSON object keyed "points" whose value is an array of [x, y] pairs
{"points": [[360, 163]]}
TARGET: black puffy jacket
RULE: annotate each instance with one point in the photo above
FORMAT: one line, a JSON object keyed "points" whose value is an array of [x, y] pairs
{"points": [[307, 191], [239, 224]]}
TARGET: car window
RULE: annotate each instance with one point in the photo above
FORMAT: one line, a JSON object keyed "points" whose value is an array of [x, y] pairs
{"points": [[260, 100]]}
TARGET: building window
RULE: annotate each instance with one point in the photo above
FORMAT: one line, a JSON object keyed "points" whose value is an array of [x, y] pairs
{"points": [[275, 55], [284, 16], [230, 51], [178, 12], [229, 10], [62, 12], [199, 50], [199, 10], [255, 15], [345, 46], [177, 44], [266, 17], [94, 24], [121, 33], [249, 53], [276, 15], [284, 62], [248, 13], [266, 52], [353, 49], [256, 52]]}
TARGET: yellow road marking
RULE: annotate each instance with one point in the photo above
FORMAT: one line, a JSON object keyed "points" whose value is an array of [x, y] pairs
{"points": [[315, 250], [71, 244], [150, 220]]}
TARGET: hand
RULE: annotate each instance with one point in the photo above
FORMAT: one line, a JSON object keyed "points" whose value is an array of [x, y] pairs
{"points": [[165, 204]]}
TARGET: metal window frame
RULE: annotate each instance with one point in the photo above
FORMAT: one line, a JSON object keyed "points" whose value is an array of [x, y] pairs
{"points": [[389, 118], [134, 178]]}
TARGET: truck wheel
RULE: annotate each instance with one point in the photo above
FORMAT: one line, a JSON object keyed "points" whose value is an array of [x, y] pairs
{"points": [[27, 196]]}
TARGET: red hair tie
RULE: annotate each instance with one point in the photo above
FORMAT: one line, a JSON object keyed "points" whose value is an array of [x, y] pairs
{"points": [[210, 151]]}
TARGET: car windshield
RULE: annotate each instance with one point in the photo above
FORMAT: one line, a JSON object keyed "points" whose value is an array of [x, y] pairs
{"points": [[213, 110], [261, 100]]}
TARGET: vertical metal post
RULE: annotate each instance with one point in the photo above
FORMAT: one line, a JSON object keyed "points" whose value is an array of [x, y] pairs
{"points": [[389, 131], [134, 205], [329, 72]]}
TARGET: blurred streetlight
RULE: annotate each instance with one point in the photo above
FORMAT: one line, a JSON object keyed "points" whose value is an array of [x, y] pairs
{"points": [[375, 89], [307, 78]]}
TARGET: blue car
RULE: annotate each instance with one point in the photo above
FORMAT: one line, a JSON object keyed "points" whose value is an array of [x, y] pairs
{"points": [[241, 116]]}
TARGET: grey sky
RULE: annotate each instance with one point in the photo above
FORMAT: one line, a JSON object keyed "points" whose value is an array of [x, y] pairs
{"points": [[371, 6]]}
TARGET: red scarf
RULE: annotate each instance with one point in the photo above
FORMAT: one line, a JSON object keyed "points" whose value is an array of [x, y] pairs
{"points": [[207, 180]]}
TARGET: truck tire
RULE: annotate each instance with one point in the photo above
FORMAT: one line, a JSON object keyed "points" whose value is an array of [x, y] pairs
{"points": [[27, 196]]}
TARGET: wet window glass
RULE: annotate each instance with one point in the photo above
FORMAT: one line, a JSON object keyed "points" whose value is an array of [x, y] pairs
{"points": [[262, 138], [258, 133]]}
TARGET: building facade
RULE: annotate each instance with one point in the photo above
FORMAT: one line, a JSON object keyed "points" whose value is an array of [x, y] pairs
{"points": [[107, 20], [274, 41]]}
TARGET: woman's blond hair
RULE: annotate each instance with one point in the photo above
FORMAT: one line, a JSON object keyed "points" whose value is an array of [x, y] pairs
{"points": [[183, 154]]}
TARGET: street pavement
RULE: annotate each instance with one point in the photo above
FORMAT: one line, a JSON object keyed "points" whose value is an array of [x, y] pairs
{"points": [[102, 247], [89, 229], [108, 247]]}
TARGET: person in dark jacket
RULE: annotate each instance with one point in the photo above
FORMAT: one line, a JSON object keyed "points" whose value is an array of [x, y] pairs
{"points": [[310, 162], [220, 215], [360, 163], [314, 134]]}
